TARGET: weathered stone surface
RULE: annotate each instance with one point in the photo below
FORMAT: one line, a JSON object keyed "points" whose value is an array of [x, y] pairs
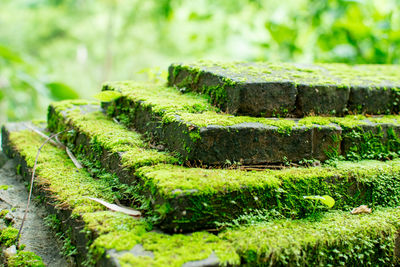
{"points": [[247, 141], [372, 100], [266, 89], [320, 99]]}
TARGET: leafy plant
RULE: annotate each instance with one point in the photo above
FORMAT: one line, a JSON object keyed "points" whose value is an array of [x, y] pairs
{"points": [[326, 200]]}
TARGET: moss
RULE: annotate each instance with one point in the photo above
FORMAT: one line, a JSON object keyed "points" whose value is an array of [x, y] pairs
{"points": [[176, 180], [8, 236], [4, 187], [208, 116], [211, 118], [255, 242], [184, 248], [340, 75], [3, 213], [25, 259], [184, 197], [335, 239], [107, 135], [71, 186], [160, 98]]}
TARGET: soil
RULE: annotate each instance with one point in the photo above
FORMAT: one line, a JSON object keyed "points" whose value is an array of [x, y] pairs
{"points": [[37, 237]]}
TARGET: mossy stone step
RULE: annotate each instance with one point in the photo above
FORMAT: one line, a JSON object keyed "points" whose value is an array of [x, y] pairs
{"points": [[187, 124], [186, 199], [102, 238], [106, 238], [285, 89]]}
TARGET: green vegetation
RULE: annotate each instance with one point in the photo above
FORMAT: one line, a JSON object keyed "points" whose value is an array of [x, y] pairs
{"points": [[95, 41], [282, 240], [4, 187], [25, 259], [334, 239], [340, 75], [8, 236], [186, 197]]}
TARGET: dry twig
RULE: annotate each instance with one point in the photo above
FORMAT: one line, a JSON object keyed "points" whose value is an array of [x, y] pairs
{"points": [[31, 187], [72, 157]]}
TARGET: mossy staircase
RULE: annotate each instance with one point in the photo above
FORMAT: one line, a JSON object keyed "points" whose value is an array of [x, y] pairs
{"points": [[217, 182]]}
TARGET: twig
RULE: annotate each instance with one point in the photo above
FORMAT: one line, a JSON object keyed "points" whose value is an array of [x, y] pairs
{"points": [[31, 188], [72, 157], [56, 142]]}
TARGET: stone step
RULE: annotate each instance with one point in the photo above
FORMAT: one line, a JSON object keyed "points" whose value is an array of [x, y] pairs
{"points": [[105, 238], [186, 199], [285, 89], [186, 124]]}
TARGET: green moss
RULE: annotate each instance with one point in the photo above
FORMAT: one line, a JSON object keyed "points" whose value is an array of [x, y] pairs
{"points": [[3, 213], [71, 186], [208, 116], [8, 236], [160, 98], [335, 231], [175, 180], [337, 238], [212, 118], [106, 134], [184, 248], [25, 259], [4, 187], [340, 75]]}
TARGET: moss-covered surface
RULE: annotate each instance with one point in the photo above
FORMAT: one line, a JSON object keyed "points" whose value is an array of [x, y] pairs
{"points": [[370, 237], [291, 89], [25, 259], [334, 239], [8, 236], [341, 75], [189, 198], [105, 135], [22, 258], [360, 137], [70, 188]]}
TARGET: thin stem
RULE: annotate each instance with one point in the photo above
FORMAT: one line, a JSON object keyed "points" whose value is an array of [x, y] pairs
{"points": [[31, 188]]}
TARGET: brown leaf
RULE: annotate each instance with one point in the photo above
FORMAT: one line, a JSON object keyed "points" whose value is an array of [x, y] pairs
{"points": [[361, 209], [113, 207]]}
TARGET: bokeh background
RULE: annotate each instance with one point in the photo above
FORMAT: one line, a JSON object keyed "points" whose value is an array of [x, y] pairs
{"points": [[58, 49]]}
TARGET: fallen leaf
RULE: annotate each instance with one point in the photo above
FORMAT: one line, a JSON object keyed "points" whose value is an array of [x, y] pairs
{"points": [[325, 199], [126, 210], [107, 96], [361, 209]]}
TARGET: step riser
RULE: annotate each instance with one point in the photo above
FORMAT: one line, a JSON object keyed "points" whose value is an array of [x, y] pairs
{"points": [[272, 98], [245, 143], [251, 143]]}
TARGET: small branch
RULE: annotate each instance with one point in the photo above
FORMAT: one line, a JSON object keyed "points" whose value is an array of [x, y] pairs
{"points": [[72, 157], [53, 142], [48, 139]]}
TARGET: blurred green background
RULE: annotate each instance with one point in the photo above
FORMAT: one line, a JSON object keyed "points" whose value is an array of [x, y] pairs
{"points": [[57, 49]]}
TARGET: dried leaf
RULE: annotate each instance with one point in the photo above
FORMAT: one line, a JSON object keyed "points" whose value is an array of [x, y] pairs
{"points": [[126, 210], [361, 209]]}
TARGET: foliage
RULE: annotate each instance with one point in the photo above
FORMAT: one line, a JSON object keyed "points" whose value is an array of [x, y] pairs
{"points": [[46, 44]]}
